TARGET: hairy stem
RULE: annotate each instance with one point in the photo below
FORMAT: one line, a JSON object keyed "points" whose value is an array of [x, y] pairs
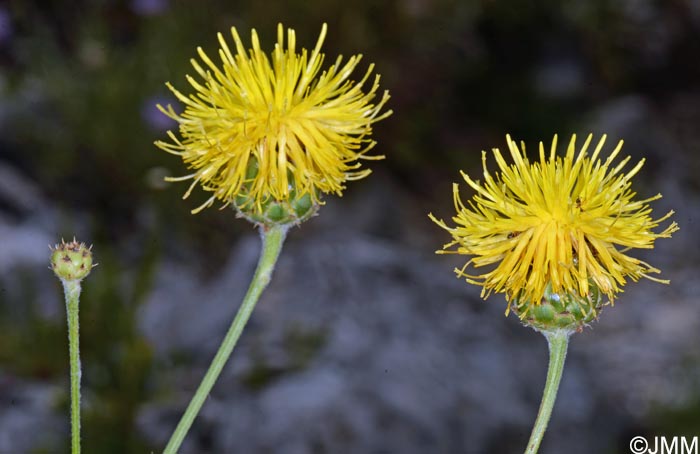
{"points": [[272, 240], [558, 343], [71, 290]]}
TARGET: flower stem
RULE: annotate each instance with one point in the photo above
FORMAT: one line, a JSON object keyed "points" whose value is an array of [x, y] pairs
{"points": [[71, 290], [272, 240], [558, 341]]}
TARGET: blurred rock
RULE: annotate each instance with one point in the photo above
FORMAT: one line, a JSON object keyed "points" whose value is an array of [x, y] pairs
{"points": [[561, 77], [182, 312], [27, 226], [27, 417]]}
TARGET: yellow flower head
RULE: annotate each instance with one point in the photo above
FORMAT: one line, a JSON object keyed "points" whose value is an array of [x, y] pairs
{"points": [[558, 225], [262, 128]]}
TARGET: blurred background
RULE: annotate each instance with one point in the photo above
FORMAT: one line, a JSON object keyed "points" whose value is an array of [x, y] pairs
{"points": [[365, 342]]}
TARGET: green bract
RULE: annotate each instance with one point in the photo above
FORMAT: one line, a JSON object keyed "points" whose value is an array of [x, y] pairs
{"points": [[560, 311], [295, 210]]}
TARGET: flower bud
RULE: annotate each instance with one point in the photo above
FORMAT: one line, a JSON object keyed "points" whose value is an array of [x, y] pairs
{"points": [[71, 261]]}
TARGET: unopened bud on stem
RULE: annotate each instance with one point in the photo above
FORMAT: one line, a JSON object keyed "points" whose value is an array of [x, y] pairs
{"points": [[71, 261]]}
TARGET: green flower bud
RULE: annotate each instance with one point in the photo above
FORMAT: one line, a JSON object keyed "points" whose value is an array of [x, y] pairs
{"points": [[565, 311], [71, 261]]}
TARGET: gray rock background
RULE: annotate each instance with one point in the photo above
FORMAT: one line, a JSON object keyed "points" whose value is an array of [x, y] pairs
{"points": [[365, 341]]}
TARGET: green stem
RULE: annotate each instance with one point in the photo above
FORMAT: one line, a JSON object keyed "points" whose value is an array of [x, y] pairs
{"points": [[272, 240], [558, 343], [71, 290]]}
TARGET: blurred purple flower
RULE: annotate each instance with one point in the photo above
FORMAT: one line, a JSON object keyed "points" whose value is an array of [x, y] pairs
{"points": [[149, 7], [154, 118], [5, 25]]}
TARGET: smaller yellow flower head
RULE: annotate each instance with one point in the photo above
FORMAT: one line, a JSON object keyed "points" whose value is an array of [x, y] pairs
{"points": [[261, 129], [559, 225]]}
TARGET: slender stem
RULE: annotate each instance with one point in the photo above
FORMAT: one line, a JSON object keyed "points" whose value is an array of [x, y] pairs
{"points": [[71, 290], [558, 343], [272, 240]]}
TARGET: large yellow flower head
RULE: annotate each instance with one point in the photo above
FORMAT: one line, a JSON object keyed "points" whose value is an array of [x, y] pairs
{"points": [[261, 129], [557, 226]]}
